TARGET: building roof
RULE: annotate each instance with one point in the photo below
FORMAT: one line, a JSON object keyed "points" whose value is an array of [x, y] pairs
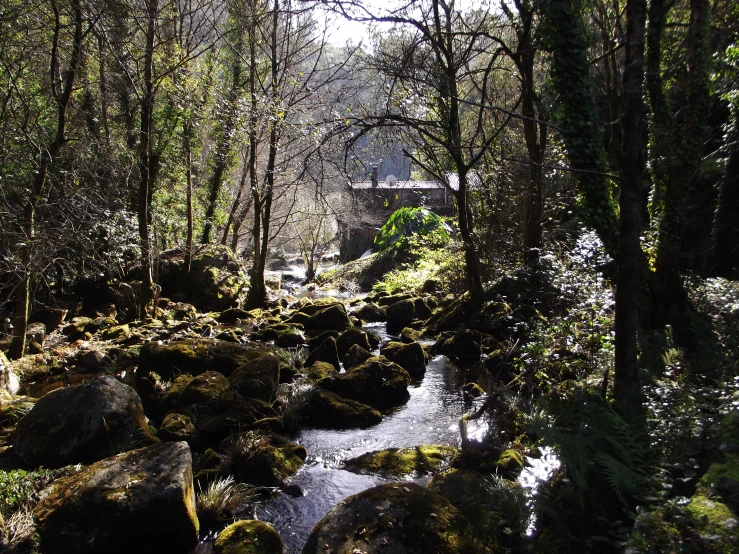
{"points": [[473, 181]]}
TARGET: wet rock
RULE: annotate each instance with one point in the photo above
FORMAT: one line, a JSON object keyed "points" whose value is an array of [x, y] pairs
{"points": [[248, 537], [320, 370], [409, 335], [401, 314], [82, 424], [377, 382], [356, 356], [394, 298], [393, 518], [178, 427], [317, 341], [264, 459], [399, 462], [464, 345], [92, 359], [232, 315], [182, 311], [203, 388], [257, 378], [370, 313], [290, 338], [410, 357], [327, 352], [332, 318], [327, 410], [118, 332], [140, 501], [349, 338], [195, 356], [230, 335], [36, 332], [171, 398]]}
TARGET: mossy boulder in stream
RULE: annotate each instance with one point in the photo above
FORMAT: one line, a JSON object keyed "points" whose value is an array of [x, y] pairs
{"points": [[320, 370], [259, 458], [248, 537], [377, 382], [398, 518], [178, 427], [410, 357], [257, 378], [356, 356], [332, 318], [370, 313], [195, 356], [82, 424], [327, 410], [141, 501], [349, 338], [400, 462], [326, 352], [216, 281]]}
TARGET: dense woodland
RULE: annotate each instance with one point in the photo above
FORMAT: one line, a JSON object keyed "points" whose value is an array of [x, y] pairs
{"points": [[164, 163]]}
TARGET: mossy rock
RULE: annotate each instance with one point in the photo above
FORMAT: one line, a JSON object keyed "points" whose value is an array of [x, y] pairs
{"points": [[248, 537], [320, 370], [257, 378], [290, 338], [370, 313], [195, 356], [400, 314], [317, 340], [410, 357], [232, 315], [178, 427], [393, 518], [171, 398], [326, 352], [230, 335], [203, 388], [377, 382], [400, 462], [116, 332], [464, 345], [503, 519], [298, 318], [473, 390], [139, 501], [391, 299], [216, 281], [356, 356], [264, 459], [349, 338], [409, 335], [327, 410], [332, 318]]}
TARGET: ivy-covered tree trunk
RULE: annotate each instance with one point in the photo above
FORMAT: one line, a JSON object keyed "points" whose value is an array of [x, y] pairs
{"points": [[676, 147], [563, 33], [627, 392]]}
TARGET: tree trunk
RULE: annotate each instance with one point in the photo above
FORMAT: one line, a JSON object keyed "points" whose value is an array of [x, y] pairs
{"points": [[47, 158], [627, 392], [235, 207], [186, 132], [725, 233], [147, 108]]}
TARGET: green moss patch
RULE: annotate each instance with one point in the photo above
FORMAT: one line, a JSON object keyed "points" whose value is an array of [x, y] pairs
{"points": [[397, 462]]}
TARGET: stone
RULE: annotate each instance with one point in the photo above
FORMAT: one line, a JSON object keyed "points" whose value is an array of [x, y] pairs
{"points": [[409, 335], [401, 462], [195, 356], [82, 424], [259, 458], [203, 388], [464, 345], [316, 341], [320, 370], [327, 352], [232, 315], [377, 382], [216, 281], [370, 313], [140, 501], [327, 410], [356, 356], [248, 537], [349, 338], [116, 332], [401, 314], [178, 427], [410, 357], [290, 338], [257, 378], [9, 381], [332, 318], [52, 318], [171, 398], [92, 358], [396, 517]]}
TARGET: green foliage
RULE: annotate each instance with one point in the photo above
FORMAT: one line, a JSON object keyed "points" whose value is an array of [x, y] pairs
{"points": [[222, 498], [407, 222]]}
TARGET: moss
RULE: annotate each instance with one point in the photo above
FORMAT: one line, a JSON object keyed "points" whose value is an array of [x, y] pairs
{"points": [[117, 332], [290, 338], [257, 378], [177, 427], [320, 370], [726, 468], [203, 388], [396, 462], [248, 537], [263, 459]]}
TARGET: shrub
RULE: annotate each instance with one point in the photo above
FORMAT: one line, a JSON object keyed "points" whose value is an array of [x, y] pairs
{"points": [[406, 222]]}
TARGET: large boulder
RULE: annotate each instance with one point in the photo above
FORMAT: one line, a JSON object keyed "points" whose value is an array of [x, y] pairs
{"points": [[216, 281], [402, 462], [195, 356], [327, 410], [396, 517], [349, 338], [141, 501], [403, 313], [356, 356], [332, 318], [326, 352], [370, 313], [203, 388], [377, 382], [464, 345], [82, 424], [257, 378], [248, 537], [410, 357]]}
